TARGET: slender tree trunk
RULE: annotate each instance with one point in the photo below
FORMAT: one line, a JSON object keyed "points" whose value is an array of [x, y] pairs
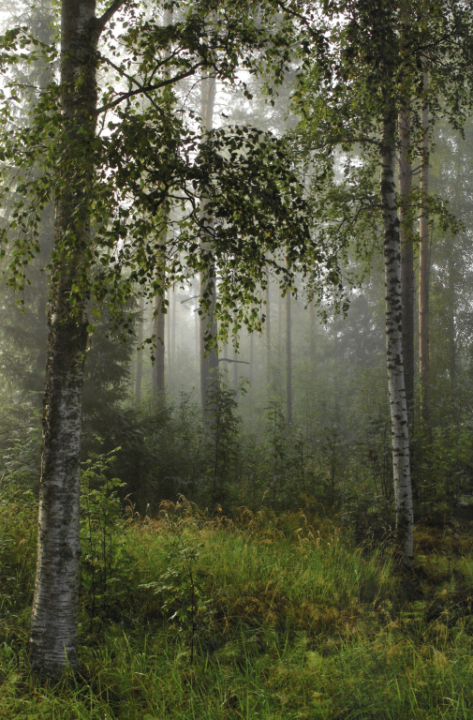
{"points": [[139, 354], [279, 324], [169, 329], [208, 329], [174, 326], [452, 285], [407, 261], [452, 344], [424, 273], [280, 351], [312, 334], [268, 333], [288, 359], [208, 324], [159, 350], [197, 333], [53, 631], [235, 370], [395, 360], [250, 372]]}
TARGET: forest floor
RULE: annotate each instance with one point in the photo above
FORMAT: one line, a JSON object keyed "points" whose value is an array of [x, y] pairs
{"points": [[268, 617]]}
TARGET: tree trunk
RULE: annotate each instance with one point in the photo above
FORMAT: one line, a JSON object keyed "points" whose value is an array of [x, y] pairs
{"points": [[235, 370], [250, 373], [280, 351], [208, 329], [169, 329], [197, 333], [268, 334], [312, 335], [407, 261], [174, 326], [424, 273], [288, 360], [452, 285], [395, 362], [159, 348], [208, 325], [53, 631], [139, 354]]}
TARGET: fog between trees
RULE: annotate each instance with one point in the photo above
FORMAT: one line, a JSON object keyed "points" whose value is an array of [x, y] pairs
{"points": [[239, 241]]}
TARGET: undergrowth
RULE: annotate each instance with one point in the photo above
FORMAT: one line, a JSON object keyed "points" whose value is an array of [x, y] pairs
{"points": [[264, 615]]}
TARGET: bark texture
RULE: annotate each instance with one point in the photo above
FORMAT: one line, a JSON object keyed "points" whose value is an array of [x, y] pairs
{"points": [[407, 260], [424, 273], [395, 361], [53, 632]]}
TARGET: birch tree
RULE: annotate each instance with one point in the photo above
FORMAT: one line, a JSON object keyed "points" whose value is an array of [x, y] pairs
{"points": [[366, 71], [53, 631], [121, 183]]}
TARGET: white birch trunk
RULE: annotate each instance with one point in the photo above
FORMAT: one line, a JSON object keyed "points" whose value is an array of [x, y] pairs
{"points": [[407, 259], [53, 632], [397, 390]]}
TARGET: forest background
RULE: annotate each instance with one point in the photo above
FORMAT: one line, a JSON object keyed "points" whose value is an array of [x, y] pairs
{"points": [[215, 470]]}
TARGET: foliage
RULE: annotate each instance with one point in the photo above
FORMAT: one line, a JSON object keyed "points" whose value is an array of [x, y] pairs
{"points": [[181, 587], [152, 168], [102, 556]]}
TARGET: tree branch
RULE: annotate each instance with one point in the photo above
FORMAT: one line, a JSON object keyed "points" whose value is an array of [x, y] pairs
{"points": [[108, 14], [242, 362], [150, 88]]}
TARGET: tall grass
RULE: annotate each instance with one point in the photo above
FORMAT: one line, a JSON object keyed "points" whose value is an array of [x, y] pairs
{"points": [[265, 616]]}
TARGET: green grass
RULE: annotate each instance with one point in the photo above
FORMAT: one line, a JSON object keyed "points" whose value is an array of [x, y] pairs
{"points": [[290, 621]]}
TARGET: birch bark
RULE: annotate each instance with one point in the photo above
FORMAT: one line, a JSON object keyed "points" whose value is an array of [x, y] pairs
{"points": [[395, 361], [53, 630], [407, 260]]}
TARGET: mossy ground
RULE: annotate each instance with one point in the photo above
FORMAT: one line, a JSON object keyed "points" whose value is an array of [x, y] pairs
{"points": [[264, 617]]}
